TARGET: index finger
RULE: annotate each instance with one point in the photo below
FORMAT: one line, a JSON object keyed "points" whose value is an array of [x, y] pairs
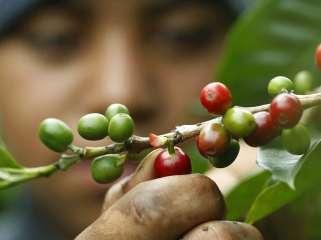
{"points": [[144, 172]]}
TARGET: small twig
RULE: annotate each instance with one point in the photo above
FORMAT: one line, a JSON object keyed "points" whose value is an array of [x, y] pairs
{"points": [[11, 176]]}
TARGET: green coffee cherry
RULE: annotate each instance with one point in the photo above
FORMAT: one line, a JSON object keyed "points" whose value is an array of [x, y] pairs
{"points": [[93, 126], [107, 168], [296, 140], [121, 127], [228, 157], [55, 134], [239, 122], [279, 84], [114, 109], [303, 82]]}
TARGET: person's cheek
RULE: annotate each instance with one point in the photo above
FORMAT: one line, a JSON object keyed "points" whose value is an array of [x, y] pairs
{"points": [[31, 91], [183, 81]]}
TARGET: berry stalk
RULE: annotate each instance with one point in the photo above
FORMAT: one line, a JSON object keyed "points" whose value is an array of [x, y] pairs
{"points": [[135, 144]]}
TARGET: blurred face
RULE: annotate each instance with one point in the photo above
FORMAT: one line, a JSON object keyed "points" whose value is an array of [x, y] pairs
{"points": [[69, 59]]}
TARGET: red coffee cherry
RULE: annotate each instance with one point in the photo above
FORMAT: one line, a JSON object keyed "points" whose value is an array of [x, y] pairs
{"points": [[318, 56], [266, 130], [216, 98], [286, 110], [167, 164], [213, 140]]}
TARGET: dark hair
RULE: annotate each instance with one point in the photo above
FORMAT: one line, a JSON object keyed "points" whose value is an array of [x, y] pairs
{"points": [[12, 12]]}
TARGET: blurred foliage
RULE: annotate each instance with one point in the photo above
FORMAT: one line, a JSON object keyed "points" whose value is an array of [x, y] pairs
{"points": [[275, 37]]}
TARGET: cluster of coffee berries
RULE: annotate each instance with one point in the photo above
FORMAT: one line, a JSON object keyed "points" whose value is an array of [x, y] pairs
{"points": [[286, 112], [116, 123], [219, 141], [215, 140]]}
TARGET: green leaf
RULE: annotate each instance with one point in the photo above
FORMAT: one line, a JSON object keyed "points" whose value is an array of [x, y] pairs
{"points": [[274, 38], [283, 165], [240, 198], [279, 193], [6, 159]]}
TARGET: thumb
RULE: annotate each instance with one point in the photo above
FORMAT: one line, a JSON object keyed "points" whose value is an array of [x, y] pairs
{"points": [[220, 230], [144, 172]]}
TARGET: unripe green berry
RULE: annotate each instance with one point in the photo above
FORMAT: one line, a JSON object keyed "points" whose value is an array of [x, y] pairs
{"points": [[93, 126], [107, 168], [228, 157], [239, 122], [279, 84], [296, 140], [55, 134], [121, 127], [114, 109], [303, 82]]}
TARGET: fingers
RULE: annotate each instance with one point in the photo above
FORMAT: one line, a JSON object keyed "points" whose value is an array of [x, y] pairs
{"points": [[144, 172], [163, 209], [223, 230]]}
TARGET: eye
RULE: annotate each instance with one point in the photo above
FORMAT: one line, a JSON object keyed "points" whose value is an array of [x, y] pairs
{"points": [[58, 42], [189, 38], [53, 33]]}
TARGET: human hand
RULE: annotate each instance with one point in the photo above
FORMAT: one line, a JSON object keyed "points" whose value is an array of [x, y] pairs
{"points": [[186, 207]]}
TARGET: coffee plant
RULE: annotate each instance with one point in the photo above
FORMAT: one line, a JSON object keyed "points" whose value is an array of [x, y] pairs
{"points": [[284, 143]]}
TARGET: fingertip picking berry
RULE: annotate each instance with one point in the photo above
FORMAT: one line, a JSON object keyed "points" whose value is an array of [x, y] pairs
{"points": [[228, 157], [286, 110], [216, 98], [167, 164], [212, 140], [55, 134], [93, 126], [266, 130]]}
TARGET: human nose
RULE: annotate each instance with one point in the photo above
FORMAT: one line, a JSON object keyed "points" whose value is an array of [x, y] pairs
{"points": [[119, 76]]}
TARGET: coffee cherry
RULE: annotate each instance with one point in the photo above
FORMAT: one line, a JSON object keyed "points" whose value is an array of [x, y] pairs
{"points": [[279, 84], [266, 130], [286, 110], [228, 157], [167, 164], [213, 140], [296, 140], [318, 56], [55, 134], [216, 98], [239, 122], [303, 82], [121, 127], [107, 168], [93, 126], [114, 109]]}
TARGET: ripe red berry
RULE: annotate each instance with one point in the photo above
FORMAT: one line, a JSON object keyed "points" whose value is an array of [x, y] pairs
{"points": [[216, 98], [213, 140], [266, 130], [318, 56], [286, 110], [167, 164]]}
